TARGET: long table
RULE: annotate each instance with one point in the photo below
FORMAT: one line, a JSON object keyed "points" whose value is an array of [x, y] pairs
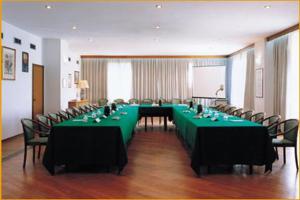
{"points": [[90, 143], [165, 111], [231, 141]]}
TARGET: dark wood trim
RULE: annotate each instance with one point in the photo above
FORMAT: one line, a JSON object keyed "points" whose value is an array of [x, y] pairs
{"points": [[281, 33], [239, 51], [36, 65], [10, 138], [151, 56]]}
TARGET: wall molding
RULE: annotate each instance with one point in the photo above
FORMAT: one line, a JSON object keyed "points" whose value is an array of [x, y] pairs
{"points": [[283, 32], [152, 56]]}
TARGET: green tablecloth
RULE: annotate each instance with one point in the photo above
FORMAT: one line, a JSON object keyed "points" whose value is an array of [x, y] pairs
{"points": [[232, 141], [89, 143]]}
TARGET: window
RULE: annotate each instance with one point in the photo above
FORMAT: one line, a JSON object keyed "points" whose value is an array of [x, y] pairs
{"points": [[238, 79], [292, 90], [119, 80]]}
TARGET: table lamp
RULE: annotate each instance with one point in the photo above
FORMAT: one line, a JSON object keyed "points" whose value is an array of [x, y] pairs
{"points": [[82, 85]]}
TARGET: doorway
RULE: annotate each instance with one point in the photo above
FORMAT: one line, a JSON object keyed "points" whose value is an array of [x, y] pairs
{"points": [[37, 90]]}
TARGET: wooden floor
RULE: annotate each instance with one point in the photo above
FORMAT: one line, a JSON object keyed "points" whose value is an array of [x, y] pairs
{"points": [[158, 167]]}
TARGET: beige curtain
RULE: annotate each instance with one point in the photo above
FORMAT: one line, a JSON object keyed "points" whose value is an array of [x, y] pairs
{"points": [[280, 75], [155, 78], [250, 82], [95, 72]]}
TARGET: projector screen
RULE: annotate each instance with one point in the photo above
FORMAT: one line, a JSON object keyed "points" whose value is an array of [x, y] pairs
{"points": [[207, 80]]}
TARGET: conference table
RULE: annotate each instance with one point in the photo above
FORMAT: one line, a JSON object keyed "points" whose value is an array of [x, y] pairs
{"points": [[149, 110], [84, 143], [225, 141]]}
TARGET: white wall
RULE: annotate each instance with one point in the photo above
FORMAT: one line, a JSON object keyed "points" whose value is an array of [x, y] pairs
{"points": [[259, 53], [17, 94], [51, 60], [67, 67]]}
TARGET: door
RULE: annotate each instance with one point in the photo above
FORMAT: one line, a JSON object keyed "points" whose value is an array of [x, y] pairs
{"points": [[37, 90]]}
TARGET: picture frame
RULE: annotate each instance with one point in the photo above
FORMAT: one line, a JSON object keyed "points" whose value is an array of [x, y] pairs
{"points": [[259, 83], [76, 77], [25, 61], [8, 63]]}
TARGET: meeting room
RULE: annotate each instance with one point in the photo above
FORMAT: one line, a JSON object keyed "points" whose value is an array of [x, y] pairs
{"points": [[150, 99]]}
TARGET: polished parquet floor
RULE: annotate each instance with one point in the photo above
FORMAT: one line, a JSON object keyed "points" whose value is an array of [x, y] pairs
{"points": [[158, 167]]}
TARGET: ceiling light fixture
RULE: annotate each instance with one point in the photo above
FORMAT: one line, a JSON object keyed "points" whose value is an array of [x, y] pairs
{"points": [[157, 27], [158, 6], [267, 6], [74, 27], [48, 7]]}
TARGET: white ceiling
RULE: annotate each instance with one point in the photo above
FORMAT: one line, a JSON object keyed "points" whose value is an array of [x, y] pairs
{"points": [[187, 28]]}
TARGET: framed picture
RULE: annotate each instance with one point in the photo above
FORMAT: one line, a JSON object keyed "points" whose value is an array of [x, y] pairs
{"points": [[25, 61], [76, 77], [69, 80], [8, 63], [259, 83]]}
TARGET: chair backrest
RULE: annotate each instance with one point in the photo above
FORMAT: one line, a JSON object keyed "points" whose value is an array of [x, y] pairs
{"points": [[237, 112], [133, 101], [290, 129], [147, 101], [70, 113], [45, 121], [102, 102], [188, 100], [77, 111], [176, 101], [257, 117], [54, 118], [221, 107], [63, 115], [119, 101], [230, 109], [247, 114], [29, 127], [88, 108], [162, 100]]}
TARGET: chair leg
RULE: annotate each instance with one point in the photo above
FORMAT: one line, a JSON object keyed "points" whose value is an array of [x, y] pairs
{"points": [[152, 120], [33, 154], [276, 150], [25, 156], [284, 156], [159, 120], [39, 153], [296, 157]]}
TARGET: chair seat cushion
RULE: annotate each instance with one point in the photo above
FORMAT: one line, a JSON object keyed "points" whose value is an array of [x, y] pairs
{"points": [[38, 140], [282, 142]]}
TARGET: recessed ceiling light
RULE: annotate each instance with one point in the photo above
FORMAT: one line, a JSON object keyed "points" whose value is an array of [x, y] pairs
{"points": [[48, 7], [157, 27], [158, 6], [267, 6], [74, 27]]}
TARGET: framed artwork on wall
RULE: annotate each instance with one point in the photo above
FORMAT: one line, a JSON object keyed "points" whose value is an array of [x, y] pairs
{"points": [[25, 61], [259, 83], [8, 63], [76, 77]]}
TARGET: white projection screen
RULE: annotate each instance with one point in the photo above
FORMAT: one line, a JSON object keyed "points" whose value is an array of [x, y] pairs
{"points": [[207, 80]]}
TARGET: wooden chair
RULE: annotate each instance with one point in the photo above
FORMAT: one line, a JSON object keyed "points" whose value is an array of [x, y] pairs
{"points": [[102, 102], [133, 101], [229, 109], [272, 124], [63, 115], [81, 109], [289, 130], [31, 131], [247, 114], [54, 118], [221, 107], [176, 101], [45, 121], [70, 113], [257, 117], [237, 112], [119, 101]]}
